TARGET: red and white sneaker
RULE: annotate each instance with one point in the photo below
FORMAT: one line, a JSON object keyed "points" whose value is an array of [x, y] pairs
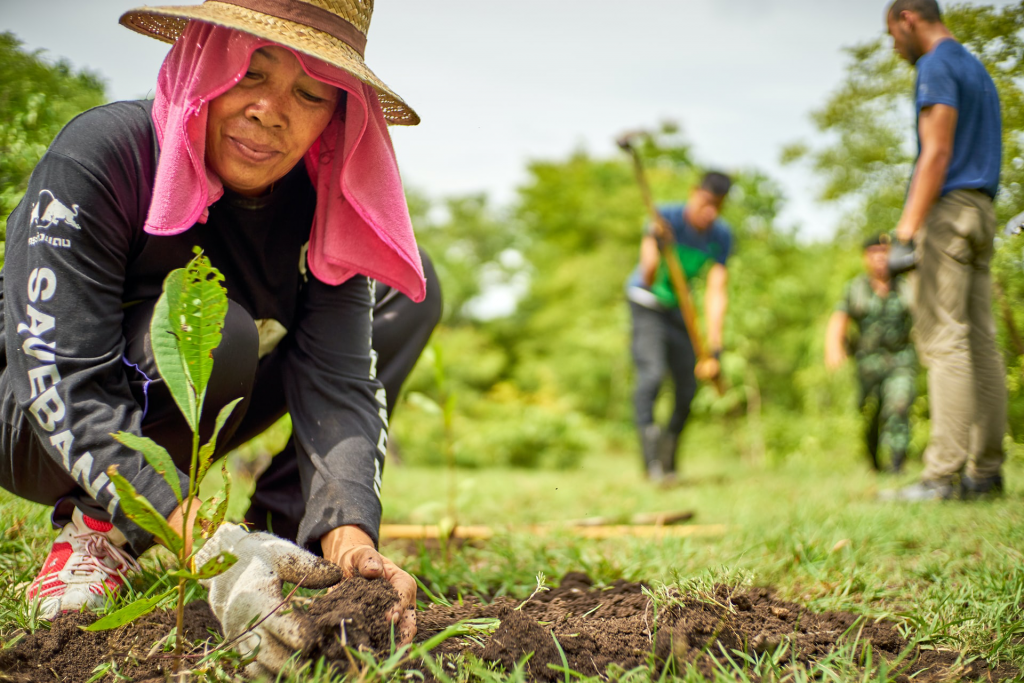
{"points": [[85, 562]]}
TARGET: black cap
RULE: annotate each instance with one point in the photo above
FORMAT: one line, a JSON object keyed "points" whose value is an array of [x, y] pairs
{"points": [[881, 238]]}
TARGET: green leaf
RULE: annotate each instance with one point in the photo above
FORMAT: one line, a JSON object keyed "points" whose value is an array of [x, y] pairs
{"points": [[213, 510], [168, 357], [205, 513], [197, 309], [215, 566], [222, 510], [157, 457], [219, 514], [207, 451], [142, 512], [201, 530], [129, 613]]}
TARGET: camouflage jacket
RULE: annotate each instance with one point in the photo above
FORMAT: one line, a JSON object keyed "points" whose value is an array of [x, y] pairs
{"points": [[881, 325]]}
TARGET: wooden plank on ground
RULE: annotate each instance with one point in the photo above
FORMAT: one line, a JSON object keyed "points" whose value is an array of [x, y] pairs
{"points": [[478, 532]]}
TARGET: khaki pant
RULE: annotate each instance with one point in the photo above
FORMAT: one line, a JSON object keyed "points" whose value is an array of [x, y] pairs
{"points": [[955, 335]]}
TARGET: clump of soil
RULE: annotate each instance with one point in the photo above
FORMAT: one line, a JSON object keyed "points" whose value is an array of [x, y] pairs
{"points": [[65, 653], [519, 635], [352, 615]]}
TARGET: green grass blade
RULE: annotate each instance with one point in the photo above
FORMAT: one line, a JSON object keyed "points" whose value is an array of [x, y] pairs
{"points": [[561, 653]]}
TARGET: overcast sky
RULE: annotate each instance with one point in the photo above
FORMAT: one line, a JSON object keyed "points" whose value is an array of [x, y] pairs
{"points": [[499, 83]]}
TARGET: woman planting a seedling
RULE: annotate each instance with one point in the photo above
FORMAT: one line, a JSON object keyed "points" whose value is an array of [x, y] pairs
{"points": [[266, 146]]}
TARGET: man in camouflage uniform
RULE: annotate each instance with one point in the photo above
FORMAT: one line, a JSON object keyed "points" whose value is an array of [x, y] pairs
{"points": [[879, 308]]}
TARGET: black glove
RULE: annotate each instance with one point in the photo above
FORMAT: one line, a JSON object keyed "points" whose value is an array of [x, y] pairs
{"points": [[902, 257]]}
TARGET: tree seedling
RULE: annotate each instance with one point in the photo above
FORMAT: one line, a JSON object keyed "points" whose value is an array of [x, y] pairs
{"points": [[445, 407], [186, 328]]}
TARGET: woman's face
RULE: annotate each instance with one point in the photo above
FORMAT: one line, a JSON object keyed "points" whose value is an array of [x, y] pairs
{"points": [[257, 131]]}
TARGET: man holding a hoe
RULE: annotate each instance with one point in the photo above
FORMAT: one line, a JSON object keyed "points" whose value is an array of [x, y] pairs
{"points": [[681, 243]]}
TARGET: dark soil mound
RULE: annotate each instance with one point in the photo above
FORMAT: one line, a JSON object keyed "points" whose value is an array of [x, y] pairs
{"points": [[351, 615], [621, 625], [64, 653], [591, 628], [519, 635]]}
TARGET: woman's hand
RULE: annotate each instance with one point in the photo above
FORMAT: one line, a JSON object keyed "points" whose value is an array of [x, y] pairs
{"points": [[352, 549]]}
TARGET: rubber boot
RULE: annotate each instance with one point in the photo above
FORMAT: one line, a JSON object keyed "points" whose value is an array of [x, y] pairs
{"points": [[667, 446], [650, 437]]}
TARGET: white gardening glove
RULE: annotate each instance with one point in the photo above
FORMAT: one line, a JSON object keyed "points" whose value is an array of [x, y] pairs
{"points": [[251, 589]]}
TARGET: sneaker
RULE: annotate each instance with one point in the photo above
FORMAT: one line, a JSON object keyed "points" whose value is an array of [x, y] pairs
{"points": [[924, 490], [982, 487], [85, 562]]}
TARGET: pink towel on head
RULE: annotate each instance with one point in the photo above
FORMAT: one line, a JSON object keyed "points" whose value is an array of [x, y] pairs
{"points": [[362, 221]]}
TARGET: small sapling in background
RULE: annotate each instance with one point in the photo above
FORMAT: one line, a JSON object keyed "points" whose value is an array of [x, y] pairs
{"points": [[186, 328], [445, 407]]}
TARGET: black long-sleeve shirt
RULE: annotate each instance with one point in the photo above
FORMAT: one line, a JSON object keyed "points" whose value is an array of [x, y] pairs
{"points": [[77, 256]]}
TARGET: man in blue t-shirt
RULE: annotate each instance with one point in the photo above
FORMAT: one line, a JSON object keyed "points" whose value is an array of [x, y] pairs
{"points": [[948, 214], [661, 343]]}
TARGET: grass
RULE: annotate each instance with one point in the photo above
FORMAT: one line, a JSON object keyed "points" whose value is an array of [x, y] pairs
{"points": [[806, 524]]}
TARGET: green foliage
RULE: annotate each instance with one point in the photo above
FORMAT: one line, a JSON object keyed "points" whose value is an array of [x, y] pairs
{"points": [[869, 121], [215, 566], [472, 249], [36, 100], [1008, 286], [209, 448], [553, 381], [186, 328], [157, 457], [142, 512]]}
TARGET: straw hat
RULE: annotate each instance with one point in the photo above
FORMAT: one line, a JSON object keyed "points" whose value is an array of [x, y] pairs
{"points": [[330, 30]]}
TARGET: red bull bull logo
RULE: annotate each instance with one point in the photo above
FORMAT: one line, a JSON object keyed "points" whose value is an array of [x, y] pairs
{"points": [[50, 211]]}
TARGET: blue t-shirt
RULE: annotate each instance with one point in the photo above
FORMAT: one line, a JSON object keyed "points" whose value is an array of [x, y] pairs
{"points": [[951, 75], [696, 249]]}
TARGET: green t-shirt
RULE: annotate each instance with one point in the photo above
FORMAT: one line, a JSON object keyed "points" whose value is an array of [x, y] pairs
{"points": [[697, 250]]}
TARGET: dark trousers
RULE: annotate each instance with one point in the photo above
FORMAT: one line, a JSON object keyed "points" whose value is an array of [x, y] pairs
{"points": [[401, 330], [660, 346]]}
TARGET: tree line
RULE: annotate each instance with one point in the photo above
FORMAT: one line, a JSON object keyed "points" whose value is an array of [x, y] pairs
{"points": [[550, 381]]}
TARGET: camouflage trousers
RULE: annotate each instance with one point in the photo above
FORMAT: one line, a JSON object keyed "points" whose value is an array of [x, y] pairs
{"points": [[886, 396]]}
